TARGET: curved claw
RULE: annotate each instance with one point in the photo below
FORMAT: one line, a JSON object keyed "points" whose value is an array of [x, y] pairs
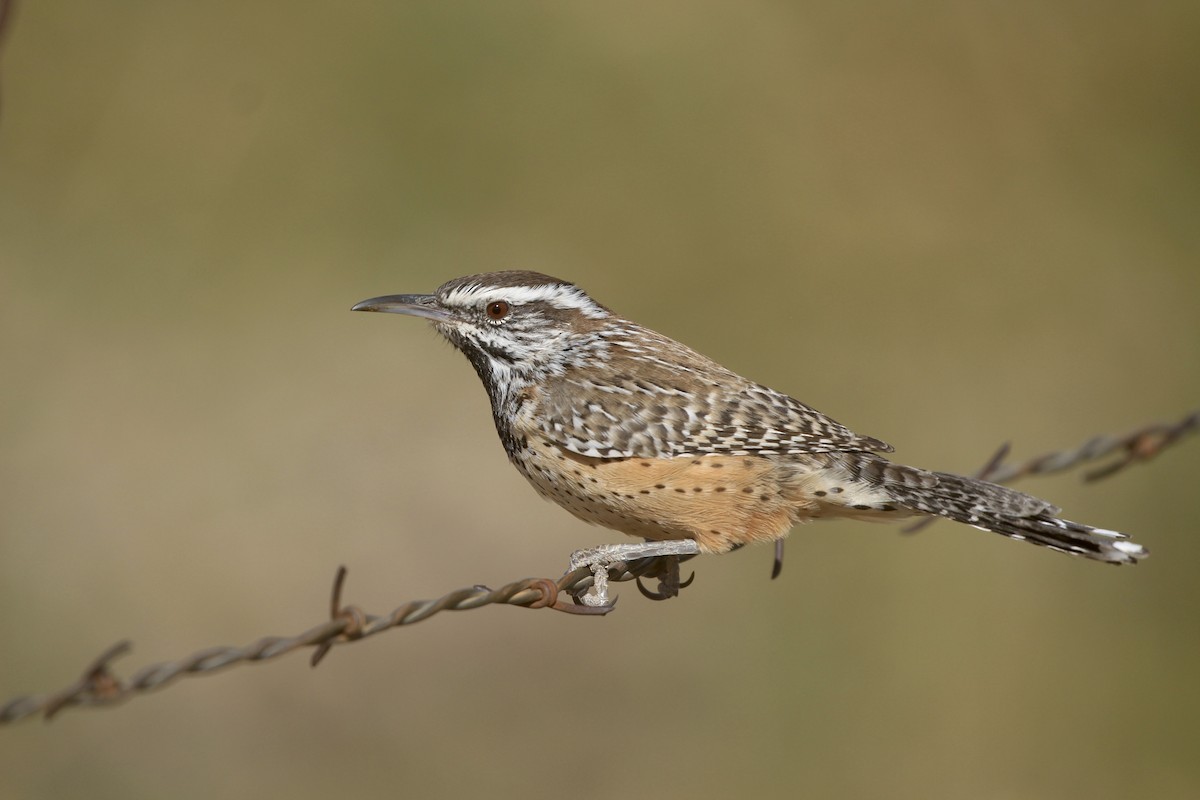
{"points": [[652, 595], [583, 609], [688, 582]]}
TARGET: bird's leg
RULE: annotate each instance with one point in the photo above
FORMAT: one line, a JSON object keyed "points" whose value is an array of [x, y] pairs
{"points": [[601, 558]]}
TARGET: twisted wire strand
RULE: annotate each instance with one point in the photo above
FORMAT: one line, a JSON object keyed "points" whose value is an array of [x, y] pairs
{"points": [[1139, 445], [99, 686]]}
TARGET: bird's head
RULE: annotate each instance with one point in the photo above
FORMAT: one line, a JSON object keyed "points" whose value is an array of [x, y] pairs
{"points": [[513, 326]]}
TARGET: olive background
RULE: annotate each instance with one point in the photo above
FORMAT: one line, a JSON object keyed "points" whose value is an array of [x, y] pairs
{"points": [[948, 225]]}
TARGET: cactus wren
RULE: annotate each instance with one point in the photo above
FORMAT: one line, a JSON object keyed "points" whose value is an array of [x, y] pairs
{"points": [[629, 429]]}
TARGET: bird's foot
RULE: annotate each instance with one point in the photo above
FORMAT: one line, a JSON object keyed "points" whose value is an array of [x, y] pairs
{"points": [[602, 558]]}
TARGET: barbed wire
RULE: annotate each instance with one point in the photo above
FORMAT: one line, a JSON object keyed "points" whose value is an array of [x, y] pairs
{"points": [[99, 686]]}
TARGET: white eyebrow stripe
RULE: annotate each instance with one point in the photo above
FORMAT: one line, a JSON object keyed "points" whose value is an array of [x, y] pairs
{"points": [[557, 295]]}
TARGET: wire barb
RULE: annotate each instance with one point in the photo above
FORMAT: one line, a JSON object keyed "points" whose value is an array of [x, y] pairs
{"points": [[352, 616], [96, 680]]}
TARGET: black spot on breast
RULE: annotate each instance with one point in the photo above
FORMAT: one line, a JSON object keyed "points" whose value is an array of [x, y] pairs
{"points": [[820, 493]]}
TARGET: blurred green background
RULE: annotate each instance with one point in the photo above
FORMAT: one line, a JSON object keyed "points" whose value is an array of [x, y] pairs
{"points": [[947, 224]]}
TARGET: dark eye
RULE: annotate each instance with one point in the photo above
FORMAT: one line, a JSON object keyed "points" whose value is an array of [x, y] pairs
{"points": [[498, 310]]}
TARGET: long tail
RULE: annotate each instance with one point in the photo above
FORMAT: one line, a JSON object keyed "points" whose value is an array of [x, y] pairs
{"points": [[991, 507]]}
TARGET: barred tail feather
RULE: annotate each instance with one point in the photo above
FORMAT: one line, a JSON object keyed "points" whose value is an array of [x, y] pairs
{"points": [[1066, 536], [1014, 514]]}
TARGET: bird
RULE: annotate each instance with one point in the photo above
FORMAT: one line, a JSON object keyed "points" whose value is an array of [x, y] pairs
{"points": [[631, 430]]}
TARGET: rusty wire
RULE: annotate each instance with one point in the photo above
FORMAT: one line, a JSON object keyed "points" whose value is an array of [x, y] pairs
{"points": [[1142, 444], [99, 686]]}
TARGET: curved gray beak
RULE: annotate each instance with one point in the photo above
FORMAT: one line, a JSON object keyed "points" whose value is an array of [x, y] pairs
{"points": [[415, 305]]}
